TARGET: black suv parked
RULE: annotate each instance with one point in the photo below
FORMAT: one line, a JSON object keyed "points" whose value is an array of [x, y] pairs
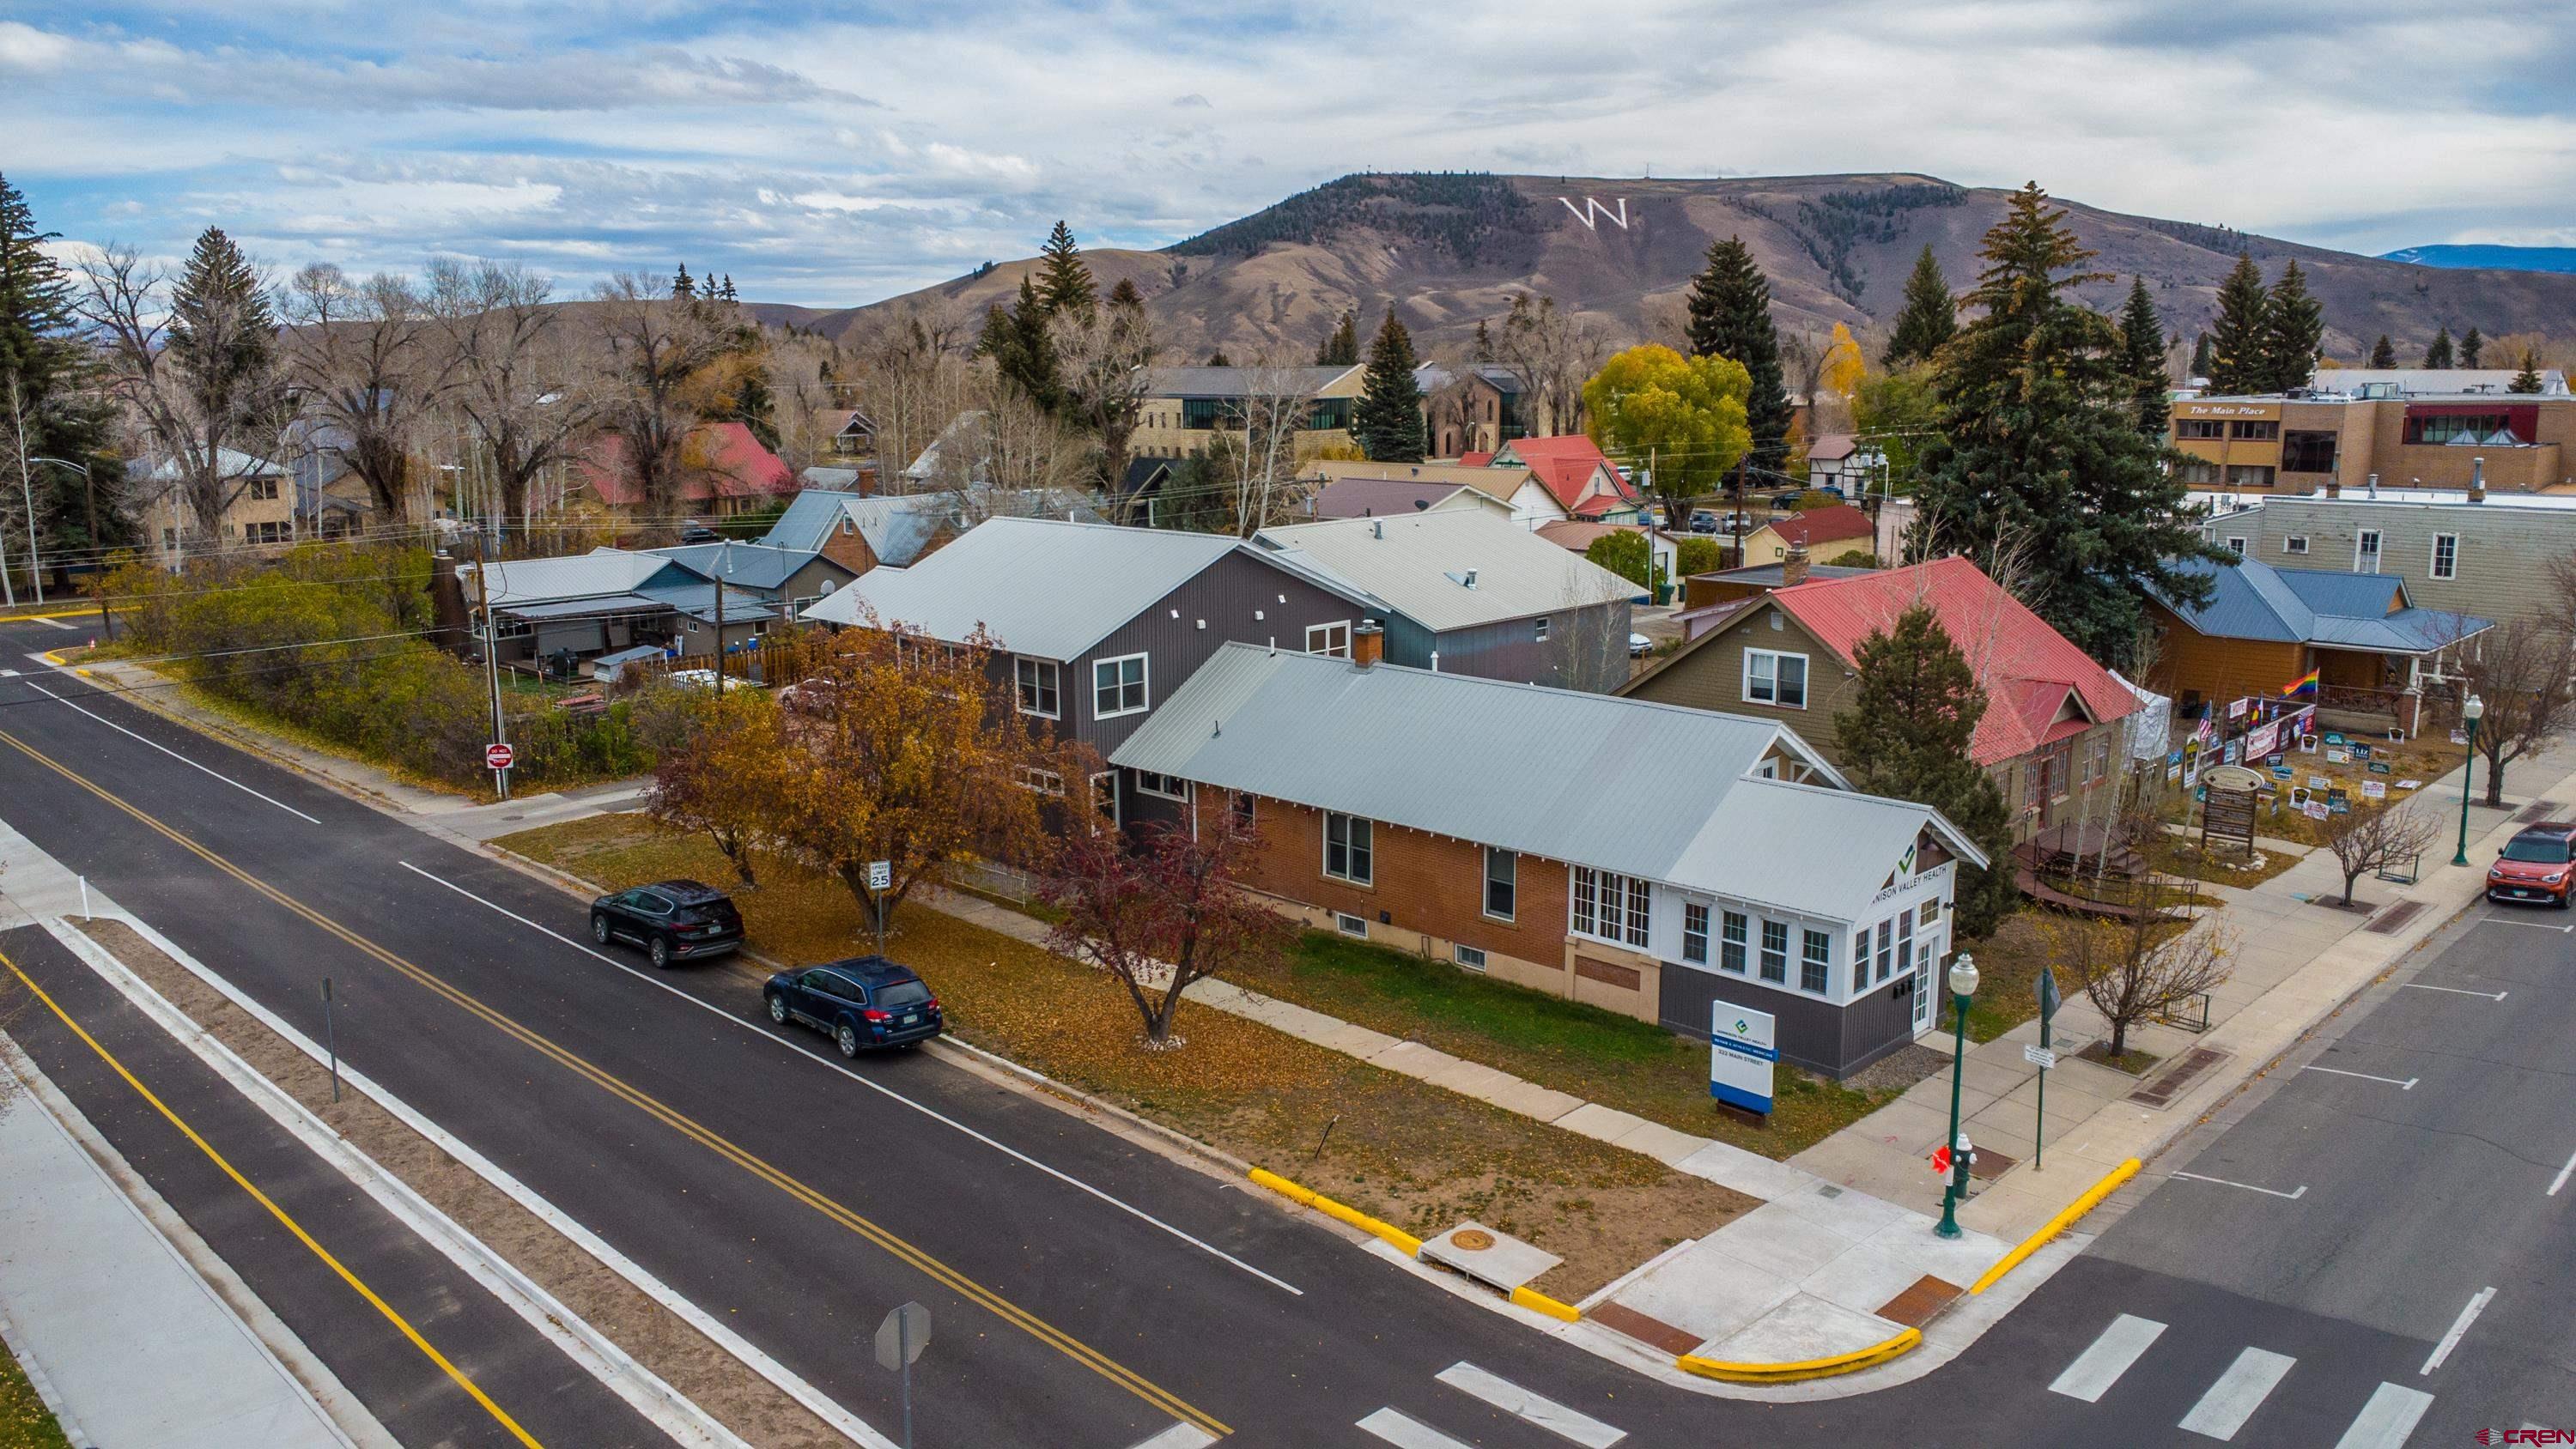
{"points": [[673, 920]]}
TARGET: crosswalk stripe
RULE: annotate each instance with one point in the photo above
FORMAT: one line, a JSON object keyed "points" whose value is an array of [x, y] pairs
{"points": [[2100, 1365], [1406, 1433], [1180, 1436], [2387, 1419], [1511, 1398], [2238, 1393]]}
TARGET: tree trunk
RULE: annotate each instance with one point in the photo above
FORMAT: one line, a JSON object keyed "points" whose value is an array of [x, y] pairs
{"points": [[2495, 782], [2119, 1038]]}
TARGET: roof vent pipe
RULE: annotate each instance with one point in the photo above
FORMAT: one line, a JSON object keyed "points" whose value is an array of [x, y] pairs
{"points": [[2374, 485], [2477, 480], [1471, 578], [1377, 530]]}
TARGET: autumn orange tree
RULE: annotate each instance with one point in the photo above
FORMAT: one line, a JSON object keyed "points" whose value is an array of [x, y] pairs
{"points": [[725, 776], [911, 751]]}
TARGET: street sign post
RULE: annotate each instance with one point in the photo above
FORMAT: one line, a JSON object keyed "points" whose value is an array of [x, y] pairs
{"points": [[2042, 1056], [900, 1340], [880, 880], [499, 756]]}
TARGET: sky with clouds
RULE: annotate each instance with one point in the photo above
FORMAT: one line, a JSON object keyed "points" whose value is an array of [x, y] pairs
{"points": [[836, 154]]}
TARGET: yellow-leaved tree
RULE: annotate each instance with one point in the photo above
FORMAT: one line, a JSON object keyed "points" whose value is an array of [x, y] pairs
{"points": [[1682, 416]]}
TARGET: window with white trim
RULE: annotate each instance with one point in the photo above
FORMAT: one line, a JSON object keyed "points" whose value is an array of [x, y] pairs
{"points": [[1168, 787], [1240, 808], [2236, 546], [1350, 925], [2295, 543], [1905, 935], [1104, 797], [2446, 556], [1118, 686], [1471, 957], [1695, 934], [1538, 630], [1502, 882], [1775, 951], [1330, 640], [1928, 912], [1730, 942], [1347, 853], [2365, 552], [1611, 906], [1860, 960], [1037, 687], [1886, 949], [1774, 678], [1815, 959], [1044, 782]]}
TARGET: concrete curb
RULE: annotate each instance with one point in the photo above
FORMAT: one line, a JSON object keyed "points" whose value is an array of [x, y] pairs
{"points": [[1790, 1373], [2090, 1199], [1403, 1241]]}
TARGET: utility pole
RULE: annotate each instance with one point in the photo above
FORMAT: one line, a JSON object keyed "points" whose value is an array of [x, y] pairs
{"points": [[26, 490], [491, 658], [724, 560]]}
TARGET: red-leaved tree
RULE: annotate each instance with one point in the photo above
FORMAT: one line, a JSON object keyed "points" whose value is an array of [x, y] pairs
{"points": [[1159, 910]]}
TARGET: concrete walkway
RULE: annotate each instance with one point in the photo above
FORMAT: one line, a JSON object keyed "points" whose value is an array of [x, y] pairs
{"points": [[126, 1341]]}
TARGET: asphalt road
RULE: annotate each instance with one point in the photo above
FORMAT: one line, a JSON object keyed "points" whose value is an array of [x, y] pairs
{"points": [[1088, 1293]]}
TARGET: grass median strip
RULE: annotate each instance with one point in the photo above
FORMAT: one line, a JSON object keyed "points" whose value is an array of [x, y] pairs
{"points": [[1417, 1156], [25, 1422]]}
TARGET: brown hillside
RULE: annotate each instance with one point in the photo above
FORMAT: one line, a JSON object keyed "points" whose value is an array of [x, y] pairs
{"points": [[1448, 250]]}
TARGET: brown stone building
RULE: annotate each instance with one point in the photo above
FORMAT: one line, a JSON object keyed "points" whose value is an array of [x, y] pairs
{"points": [[2412, 429]]}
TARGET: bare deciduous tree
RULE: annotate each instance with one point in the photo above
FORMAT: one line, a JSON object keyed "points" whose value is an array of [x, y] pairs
{"points": [[1555, 353], [2131, 969], [2375, 838], [1262, 471], [517, 380], [914, 377], [364, 364], [1102, 356], [2519, 671], [657, 346]]}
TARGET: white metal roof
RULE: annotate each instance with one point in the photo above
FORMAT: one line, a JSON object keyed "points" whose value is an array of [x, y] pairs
{"points": [[1451, 569], [1636, 787], [578, 576]]}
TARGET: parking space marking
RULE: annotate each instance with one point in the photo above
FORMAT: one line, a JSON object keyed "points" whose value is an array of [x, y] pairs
{"points": [[2387, 1420], [762, 1031], [2238, 1393], [2531, 925], [2560, 1180], [2407, 1085], [2110, 1354], [2459, 1330], [2249, 1187], [2453, 990]]}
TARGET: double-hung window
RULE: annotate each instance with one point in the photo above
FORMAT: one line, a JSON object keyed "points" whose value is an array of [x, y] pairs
{"points": [[1860, 960], [1038, 693], [1242, 809], [1118, 686], [2365, 552], [1611, 906], [1502, 882], [1815, 957], [1347, 855], [1905, 936], [1329, 639], [1773, 678], [1775, 951], [1695, 934], [1886, 949], [1169, 787], [2446, 556], [1730, 945]]}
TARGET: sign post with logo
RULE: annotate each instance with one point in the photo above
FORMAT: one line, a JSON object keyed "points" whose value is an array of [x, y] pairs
{"points": [[880, 880], [1741, 1054], [2042, 1056]]}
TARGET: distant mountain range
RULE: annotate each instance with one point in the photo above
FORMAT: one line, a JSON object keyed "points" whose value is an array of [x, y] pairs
{"points": [[1447, 250], [2502, 258]]}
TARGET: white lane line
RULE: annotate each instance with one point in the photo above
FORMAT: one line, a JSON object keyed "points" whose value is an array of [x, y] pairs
{"points": [[764, 1033], [173, 754], [2249, 1187], [2407, 1085], [2387, 1419], [2560, 1180], [2529, 925], [50, 623], [2238, 1393], [2459, 1330], [1511, 1398], [2100, 1365], [8, 674], [1179, 1436], [1406, 1433], [2454, 990]]}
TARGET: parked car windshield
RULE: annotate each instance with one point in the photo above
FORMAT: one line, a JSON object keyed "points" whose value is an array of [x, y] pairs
{"points": [[902, 993], [2537, 850]]}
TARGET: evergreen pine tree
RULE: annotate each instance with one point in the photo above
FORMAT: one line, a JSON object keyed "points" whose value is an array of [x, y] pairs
{"points": [[2142, 357], [1730, 317], [1483, 348], [2204, 356], [1219, 359], [1342, 348], [1388, 422], [2472, 348], [42, 358], [730, 294], [2527, 380], [1125, 294], [221, 323], [2239, 361], [1914, 707], [1016, 339], [682, 288], [1926, 320], [2293, 328], [1065, 284], [2383, 353], [2438, 356], [2039, 457]]}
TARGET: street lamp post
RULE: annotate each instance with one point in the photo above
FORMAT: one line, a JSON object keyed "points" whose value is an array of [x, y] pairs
{"points": [[2470, 712], [89, 494], [1963, 984]]}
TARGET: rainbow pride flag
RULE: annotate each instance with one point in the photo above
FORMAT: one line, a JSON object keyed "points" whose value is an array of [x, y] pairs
{"points": [[2303, 687]]}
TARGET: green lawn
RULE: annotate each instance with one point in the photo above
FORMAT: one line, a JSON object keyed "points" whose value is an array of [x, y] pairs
{"points": [[25, 1423], [1599, 1055]]}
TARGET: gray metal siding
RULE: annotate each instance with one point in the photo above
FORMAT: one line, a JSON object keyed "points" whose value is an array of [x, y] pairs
{"points": [[1226, 595], [1814, 1034], [1585, 649], [2504, 552]]}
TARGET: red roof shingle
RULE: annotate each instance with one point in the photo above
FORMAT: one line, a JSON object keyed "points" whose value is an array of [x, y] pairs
{"points": [[1829, 524], [720, 460], [1565, 465]]}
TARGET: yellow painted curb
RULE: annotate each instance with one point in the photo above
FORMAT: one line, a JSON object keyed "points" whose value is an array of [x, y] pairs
{"points": [[1538, 1302], [2091, 1199], [1308, 1197], [1790, 1373]]}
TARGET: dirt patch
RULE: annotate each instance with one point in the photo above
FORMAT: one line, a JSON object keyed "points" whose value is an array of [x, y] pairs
{"points": [[685, 1359], [1418, 1156], [2134, 1061], [1899, 1069]]}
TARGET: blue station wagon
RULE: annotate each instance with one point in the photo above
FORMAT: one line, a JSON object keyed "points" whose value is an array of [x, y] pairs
{"points": [[864, 1003]]}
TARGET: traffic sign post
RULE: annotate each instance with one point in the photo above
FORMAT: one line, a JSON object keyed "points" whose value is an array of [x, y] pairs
{"points": [[900, 1340], [499, 756], [880, 880], [2043, 1056]]}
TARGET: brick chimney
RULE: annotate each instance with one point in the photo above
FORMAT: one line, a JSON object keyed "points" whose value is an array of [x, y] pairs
{"points": [[1793, 565], [2334, 490], [1368, 643]]}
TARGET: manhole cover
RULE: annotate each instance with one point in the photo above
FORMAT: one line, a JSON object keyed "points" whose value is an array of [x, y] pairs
{"points": [[1474, 1240]]}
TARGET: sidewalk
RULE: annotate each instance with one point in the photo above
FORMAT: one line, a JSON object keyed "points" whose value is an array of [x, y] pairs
{"points": [[124, 1338]]}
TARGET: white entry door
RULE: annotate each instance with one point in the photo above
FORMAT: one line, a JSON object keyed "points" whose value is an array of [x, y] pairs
{"points": [[1923, 994]]}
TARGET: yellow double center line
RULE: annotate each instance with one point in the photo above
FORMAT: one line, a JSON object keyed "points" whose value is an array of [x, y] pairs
{"points": [[676, 1120], [264, 1200]]}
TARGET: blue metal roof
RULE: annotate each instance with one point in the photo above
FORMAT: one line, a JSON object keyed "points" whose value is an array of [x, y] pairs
{"points": [[2253, 600]]}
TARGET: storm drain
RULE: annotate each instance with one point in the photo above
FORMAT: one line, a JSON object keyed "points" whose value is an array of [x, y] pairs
{"points": [[2162, 1091], [2387, 922]]}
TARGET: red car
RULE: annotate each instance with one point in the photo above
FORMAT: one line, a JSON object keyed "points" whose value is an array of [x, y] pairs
{"points": [[2536, 865]]}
